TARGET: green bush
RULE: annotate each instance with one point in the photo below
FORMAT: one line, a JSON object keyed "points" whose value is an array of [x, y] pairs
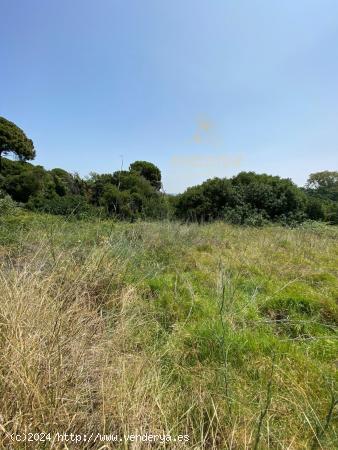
{"points": [[70, 205], [8, 206], [315, 209], [248, 198]]}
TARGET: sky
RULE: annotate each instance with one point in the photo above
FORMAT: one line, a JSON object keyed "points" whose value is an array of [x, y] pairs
{"points": [[201, 88]]}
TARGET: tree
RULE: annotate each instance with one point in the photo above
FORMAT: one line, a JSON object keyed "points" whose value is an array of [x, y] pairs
{"points": [[133, 182], [14, 140], [245, 198], [315, 209], [322, 179], [27, 183], [207, 201], [324, 184], [67, 183], [148, 171], [272, 194]]}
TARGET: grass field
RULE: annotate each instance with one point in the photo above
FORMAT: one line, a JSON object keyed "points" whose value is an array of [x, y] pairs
{"points": [[225, 334]]}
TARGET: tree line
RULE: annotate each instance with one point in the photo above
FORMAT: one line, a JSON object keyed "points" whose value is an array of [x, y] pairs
{"points": [[247, 198]]}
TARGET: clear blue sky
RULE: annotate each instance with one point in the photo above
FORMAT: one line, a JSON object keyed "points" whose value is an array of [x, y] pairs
{"points": [[201, 88]]}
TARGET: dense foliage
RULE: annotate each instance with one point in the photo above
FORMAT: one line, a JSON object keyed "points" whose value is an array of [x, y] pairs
{"points": [[123, 194], [149, 171], [322, 190], [14, 140], [247, 198]]}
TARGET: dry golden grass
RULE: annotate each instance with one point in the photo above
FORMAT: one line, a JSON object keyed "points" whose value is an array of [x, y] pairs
{"points": [[62, 368]]}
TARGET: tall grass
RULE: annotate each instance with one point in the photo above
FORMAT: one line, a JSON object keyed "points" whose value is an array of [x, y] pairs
{"points": [[167, 328]]}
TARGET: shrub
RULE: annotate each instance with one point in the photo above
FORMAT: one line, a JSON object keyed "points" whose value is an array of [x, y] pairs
{"points": [[315, 209], [247, 198], [70, 205], [8, 206], [245, 215]]}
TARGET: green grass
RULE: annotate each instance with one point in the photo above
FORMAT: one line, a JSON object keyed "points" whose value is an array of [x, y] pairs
{"points": [[225, 333]]}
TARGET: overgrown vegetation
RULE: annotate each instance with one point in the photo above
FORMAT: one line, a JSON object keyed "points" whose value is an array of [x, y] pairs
{"points": [[247, 198], [160, 313], [221, 332]]}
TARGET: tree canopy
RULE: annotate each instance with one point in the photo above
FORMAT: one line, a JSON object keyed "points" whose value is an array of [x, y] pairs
{"points": [[322, 188], [148, 171], [247, 197], [324, 184], [14, 140]]}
